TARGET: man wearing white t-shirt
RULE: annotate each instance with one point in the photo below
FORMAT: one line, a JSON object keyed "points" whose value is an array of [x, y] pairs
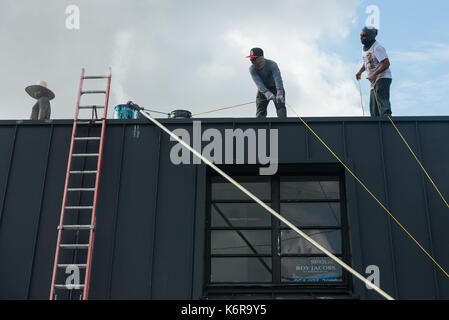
{"points": [[377, 65]]}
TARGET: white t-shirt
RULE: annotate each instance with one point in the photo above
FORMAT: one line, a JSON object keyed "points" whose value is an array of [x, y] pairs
{"points": [[372, 59]]}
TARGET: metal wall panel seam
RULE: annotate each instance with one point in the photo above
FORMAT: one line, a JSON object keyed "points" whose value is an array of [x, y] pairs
{"points": [[200, 227], [153, 231], [426, 206], [268, 140], [307, 143], [40, 213], [207, 261], [354, 229], [234, 147], [195, 190], [343, 202], [114, 236], [343, 129], [13, 147], [275, 185], [388, 205], [275, 236]]}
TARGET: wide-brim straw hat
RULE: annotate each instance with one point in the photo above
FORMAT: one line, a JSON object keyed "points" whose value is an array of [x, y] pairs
{"points": [[40, 90]]}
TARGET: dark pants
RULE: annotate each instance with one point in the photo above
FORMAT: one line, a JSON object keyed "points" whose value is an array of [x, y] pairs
{"points": [[382, 88], [262, 104]]}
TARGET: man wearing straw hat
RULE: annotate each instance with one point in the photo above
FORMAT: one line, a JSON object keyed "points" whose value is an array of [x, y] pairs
{"points": [[43, 95]]}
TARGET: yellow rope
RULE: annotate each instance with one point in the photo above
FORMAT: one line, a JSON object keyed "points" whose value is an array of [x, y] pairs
{"points": [[270, 210], [361, 99], [414, 155], [372, 195], [349, 170], [225, 108]]}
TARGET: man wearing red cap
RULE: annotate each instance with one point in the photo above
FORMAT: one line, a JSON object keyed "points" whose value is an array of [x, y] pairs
{"points": [[267, 77]]}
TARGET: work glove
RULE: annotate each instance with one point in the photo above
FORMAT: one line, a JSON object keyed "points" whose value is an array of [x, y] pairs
{"points": [[269, 95], [280, 96]]}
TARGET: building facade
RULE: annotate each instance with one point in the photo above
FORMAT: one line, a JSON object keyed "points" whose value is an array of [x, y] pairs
{"points": [[169, 227]]}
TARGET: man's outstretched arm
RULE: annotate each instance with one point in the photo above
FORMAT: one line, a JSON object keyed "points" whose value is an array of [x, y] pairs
{"points": [[358, 75]]}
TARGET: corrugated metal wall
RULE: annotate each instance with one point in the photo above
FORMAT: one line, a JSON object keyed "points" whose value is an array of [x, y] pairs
{"points": [[151, 216]]}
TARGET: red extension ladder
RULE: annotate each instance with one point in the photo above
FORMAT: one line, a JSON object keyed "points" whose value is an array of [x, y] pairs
{"points": [[75, 242]]}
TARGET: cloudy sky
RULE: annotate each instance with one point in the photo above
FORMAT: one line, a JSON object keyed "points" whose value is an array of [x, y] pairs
{"points": [[173, 54]]}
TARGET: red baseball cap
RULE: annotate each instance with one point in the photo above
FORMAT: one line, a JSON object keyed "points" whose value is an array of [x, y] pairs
{"points": [[255, 53]]}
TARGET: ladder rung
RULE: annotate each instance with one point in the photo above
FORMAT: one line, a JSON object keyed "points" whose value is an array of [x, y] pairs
{"points": [[76, 227], [79, 207], [91, 107], [95, 77], [74, 246], [69, 286], [93, 92], [81, 266], [85, 155], [87, 138], [83, 172], [80, 189]]}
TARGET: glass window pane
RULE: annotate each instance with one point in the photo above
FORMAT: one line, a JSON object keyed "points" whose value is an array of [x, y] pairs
{"points": [[293, 243], [224, 190], [308, 214], [240, 215], [255, 270], [240, 242], [317, 269], [310, 188]]}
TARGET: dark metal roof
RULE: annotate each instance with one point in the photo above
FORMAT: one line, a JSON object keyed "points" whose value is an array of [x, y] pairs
{"points": [[149, 246]]}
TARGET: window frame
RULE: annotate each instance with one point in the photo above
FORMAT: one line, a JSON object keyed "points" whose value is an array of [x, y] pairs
{"points": [[276, 286]]}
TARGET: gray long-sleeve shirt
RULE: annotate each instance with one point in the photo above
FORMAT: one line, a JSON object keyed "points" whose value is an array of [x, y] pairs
{"points": [[267, 77]]}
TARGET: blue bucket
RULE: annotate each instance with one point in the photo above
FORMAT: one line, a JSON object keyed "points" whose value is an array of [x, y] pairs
{"points": [[124, 111]]}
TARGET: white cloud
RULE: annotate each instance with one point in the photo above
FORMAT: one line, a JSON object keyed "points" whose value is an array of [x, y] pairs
{"points": [[427, 53], [421, 87], [174, 54], [317, 83], [426, 97]]}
